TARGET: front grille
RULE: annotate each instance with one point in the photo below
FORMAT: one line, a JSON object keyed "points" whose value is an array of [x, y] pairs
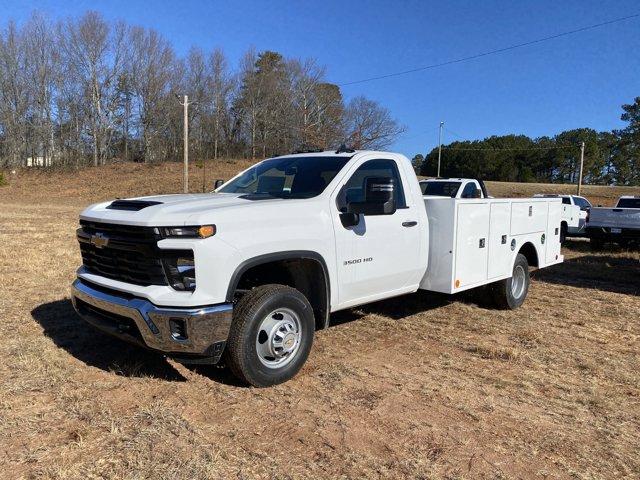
{"points": [[131, 254]]}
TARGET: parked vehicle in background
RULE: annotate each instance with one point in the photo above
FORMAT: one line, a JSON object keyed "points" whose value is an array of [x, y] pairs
{"points": [[575, 210], [454, 188], [620, 224], [251, 270]]}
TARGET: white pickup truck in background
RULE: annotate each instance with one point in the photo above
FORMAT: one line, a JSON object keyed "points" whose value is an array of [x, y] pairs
{"points": [[453, 188], [620, 224], [575, 210], [251, 270]]}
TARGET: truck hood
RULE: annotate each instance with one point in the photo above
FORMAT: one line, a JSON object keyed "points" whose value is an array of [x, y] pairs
{"points": [[172, 210]]}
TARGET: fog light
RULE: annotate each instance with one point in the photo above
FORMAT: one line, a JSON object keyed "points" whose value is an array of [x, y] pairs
{"points": [[178, 329], [181, 270]]}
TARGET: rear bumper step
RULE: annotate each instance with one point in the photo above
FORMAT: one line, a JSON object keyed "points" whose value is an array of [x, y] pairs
{"points": [[187, 334], [606, 234]]}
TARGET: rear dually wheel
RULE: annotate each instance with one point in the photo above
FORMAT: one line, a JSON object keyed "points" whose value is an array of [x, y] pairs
{"points": [[510, 293]]}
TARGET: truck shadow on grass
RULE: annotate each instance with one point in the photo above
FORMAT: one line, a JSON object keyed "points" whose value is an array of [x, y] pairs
{"points": [[599, 272], [397, 308], [68, 331]]}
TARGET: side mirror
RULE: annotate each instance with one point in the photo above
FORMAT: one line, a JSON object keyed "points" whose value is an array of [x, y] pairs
{"points": [[217, 183], [349, 219], [379, 198]]}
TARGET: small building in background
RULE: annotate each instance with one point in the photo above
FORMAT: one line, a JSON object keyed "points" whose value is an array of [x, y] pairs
{"points": [[39, 161]]}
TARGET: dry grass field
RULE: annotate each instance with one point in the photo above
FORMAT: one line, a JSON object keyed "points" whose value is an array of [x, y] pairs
{"points": [[422, 386]]}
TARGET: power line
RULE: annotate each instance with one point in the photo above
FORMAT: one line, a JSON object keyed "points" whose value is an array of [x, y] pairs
{"points": [[405, 135], [491, 52], [456, 134]]}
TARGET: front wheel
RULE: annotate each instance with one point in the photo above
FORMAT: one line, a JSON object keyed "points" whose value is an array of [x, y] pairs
{"points": [[510, 293], [271, 335]]}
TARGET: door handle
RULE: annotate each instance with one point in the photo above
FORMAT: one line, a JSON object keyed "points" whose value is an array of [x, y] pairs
{"points": [[409, 224]]}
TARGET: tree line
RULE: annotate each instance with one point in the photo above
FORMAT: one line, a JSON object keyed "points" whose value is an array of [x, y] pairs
{"points": [[609, 158], [88, 91]]}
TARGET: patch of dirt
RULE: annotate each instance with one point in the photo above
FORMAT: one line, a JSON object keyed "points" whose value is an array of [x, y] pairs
{"points": [[422, 386]]}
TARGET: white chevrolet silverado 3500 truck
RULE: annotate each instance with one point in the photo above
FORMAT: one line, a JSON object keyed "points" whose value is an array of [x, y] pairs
{"points": [[252, 269]]}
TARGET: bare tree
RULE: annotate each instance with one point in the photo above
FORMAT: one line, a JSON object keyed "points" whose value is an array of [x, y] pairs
{"points": [[220, 85], [317, 105], [369, 125], [87, 90], [14, 95], [248, 102], [42, 70], [93, 54], [304, 77], [154, 72], [329, 115]]}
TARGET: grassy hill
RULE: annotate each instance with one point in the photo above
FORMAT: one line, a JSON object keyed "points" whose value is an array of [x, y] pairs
{"points": [[133, 179]]}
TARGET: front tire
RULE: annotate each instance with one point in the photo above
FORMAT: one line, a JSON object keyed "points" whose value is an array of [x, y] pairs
{"points": [[510, 293], [271, 335]]}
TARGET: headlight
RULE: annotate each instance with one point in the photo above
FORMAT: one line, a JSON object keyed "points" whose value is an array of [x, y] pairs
{"points": [[204, 231], [181, 270]]}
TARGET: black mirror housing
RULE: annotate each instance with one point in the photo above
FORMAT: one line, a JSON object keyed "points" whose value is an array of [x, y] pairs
{"points": [[349, 219], [379, 198], [218, 183]]}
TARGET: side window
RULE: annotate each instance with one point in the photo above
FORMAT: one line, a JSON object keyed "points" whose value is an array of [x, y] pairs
{"points": [[566, 200], [582, 202], [353, 190], [469, 190]]}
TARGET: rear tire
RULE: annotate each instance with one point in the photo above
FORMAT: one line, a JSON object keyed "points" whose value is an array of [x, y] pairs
{"points": [[271, 335], [624, 244], [510, 293], [596, 244], [563, 233]]}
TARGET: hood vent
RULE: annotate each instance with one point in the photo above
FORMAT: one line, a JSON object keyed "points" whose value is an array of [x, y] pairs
{"points": [[131, 205]]}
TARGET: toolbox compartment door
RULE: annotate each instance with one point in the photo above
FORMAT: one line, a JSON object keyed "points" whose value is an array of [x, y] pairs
{"points": [[528, 217], [472, 244], [500, 255]]}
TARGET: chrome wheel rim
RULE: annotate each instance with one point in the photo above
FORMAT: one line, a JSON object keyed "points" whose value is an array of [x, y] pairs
{"points": [[518, 281], [279, 337]]}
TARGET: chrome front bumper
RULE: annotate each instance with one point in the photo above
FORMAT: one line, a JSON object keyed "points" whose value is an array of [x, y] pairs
{"points": [[200, 335]]}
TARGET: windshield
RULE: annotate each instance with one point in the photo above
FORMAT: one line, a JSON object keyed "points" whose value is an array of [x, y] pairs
{"points": [[288, 177], [629, 203], [440, 189]]}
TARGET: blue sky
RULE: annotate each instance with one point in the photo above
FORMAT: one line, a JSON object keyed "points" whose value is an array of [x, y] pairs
{"points": [[575, 81]]}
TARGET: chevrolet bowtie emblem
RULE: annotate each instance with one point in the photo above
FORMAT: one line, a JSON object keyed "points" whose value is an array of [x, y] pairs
{"points": [[99, 240]]}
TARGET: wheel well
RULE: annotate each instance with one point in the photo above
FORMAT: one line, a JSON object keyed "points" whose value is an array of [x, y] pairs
{"points": [[529, 251], [307, 275]]}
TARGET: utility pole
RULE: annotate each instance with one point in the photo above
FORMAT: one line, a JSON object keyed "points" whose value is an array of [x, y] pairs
{"points": [[440, 147], [581, 165], [185, 104]]}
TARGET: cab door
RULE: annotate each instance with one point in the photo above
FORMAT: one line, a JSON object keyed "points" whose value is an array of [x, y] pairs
{"points": [[378, 255]]}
